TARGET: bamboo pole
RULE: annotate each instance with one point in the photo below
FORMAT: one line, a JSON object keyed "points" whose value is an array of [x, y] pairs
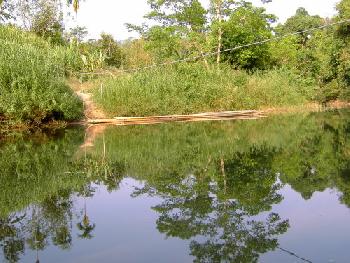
{"points": [[208, 116]]}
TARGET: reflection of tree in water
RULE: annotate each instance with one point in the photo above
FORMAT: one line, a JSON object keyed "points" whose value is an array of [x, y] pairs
{"points": [[249, 178], [11, 238], [85, 226], [50, 220], [219, 209], [39, 223], [319, 159], [214, 200]]}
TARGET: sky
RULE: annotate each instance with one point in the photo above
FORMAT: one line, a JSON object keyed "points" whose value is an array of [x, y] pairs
{"points": [[110, 16]]}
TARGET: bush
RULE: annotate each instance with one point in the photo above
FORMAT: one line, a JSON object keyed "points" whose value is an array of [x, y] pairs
{"points": [[32, 83], [191, 88]]}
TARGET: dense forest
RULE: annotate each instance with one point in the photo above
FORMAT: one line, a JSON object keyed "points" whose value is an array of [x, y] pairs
{"points": [[217, 66]]}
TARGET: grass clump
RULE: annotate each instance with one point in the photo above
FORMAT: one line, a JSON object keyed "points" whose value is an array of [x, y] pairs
{"points": [[191, 88], [32, 80]]}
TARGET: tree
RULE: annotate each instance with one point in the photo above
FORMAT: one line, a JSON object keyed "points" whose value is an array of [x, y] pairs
{"points": [[75, 4], [220, 11], [180, 30], [77, 34], [111, 49], [136, 55], [343, 36], [298, 23], [343, 8], [43, 17], [247, 24], [47, 21]]}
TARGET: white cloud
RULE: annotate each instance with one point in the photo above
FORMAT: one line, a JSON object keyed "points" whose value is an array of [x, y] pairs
{"points": [[110, 16]]}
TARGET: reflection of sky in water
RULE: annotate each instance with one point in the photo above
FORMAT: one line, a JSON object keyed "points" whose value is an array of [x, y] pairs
{"points": [[319, 228], [126, 230], [194, 172]]}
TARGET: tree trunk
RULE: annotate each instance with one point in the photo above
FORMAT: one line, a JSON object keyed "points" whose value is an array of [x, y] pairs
{"points": [[222, 164], [218, 8]]}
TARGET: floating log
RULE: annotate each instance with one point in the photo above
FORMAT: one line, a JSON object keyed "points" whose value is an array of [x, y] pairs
{"points": [[208, 116]]}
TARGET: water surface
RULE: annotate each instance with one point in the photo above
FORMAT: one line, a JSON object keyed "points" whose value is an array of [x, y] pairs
{"points": [[270, 190]]}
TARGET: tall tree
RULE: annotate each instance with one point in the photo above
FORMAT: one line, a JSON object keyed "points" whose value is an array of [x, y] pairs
{"points": [[343, 35], [43, 17], [247, 24], [220, 11], [111, 49], [77, 34], [47, 20], [75, 4], [301, 21], [180, 30]]}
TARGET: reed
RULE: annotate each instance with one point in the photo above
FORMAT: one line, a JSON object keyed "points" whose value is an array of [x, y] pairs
{"points": [[32, 79], [191, 88]]}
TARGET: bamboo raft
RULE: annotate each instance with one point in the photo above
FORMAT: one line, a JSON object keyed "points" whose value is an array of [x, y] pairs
{"points": [[208, 116]]}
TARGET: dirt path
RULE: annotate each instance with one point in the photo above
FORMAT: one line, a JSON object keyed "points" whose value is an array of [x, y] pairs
{"points": [[91, 111], [84, 92]]}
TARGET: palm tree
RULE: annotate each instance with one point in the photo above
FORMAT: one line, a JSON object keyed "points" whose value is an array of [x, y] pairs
{"points": [[84, 226], [75, 4]]}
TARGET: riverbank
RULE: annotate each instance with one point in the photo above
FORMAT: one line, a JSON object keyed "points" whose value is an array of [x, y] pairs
{"points": [[192, 88], [8, 128]]}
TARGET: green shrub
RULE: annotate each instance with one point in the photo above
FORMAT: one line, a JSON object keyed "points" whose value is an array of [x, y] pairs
{"points": [[69, 55], [191, 88], [32, 80]]}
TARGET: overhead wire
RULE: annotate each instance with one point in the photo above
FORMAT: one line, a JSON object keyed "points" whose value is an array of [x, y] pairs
{"points": [[257, 43]]}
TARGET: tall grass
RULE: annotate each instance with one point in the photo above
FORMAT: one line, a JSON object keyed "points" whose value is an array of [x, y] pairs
{"points": [[69, 56], [191, 88], [32, 79]]}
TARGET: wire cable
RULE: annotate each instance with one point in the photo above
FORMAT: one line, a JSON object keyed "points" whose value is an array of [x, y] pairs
{"points": [[226, 50]]}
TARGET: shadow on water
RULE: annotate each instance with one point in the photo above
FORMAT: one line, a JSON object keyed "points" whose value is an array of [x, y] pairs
{"points": [[216, 184]]}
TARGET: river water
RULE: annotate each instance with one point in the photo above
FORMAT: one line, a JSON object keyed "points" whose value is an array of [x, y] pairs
{"points": [[267, 190]]}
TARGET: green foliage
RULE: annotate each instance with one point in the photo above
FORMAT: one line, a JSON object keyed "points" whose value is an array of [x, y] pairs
{"points": [[77, 34], [92, 58], [111, 49], [164, 43], [343, 8], [191, 88], [97, 55], [343, 38], [215, 184], [36, 168], [246, 25], [285, 52], [181, 30], [321, 55], [185, 29], [299, 22], [136, 55], [32, 84], [47, 21]]}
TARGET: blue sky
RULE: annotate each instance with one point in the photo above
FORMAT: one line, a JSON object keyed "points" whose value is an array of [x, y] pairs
{"points": [[110, 15]]}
